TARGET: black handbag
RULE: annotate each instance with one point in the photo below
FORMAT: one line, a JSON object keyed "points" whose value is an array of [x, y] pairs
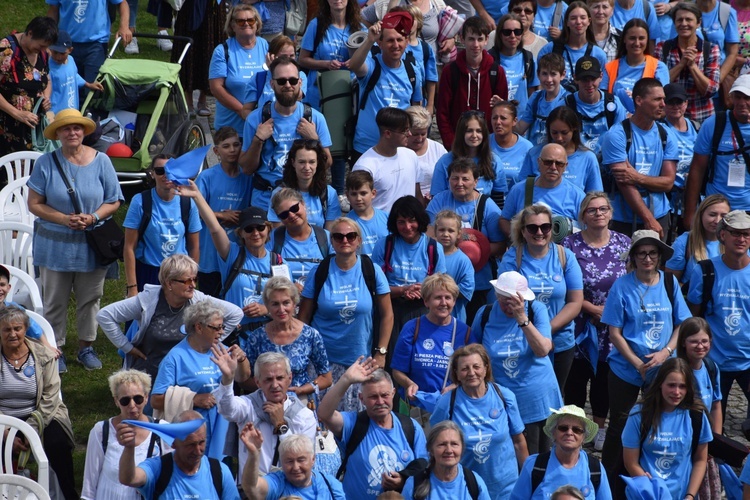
{"points": [[727, 449], [106, 239]]}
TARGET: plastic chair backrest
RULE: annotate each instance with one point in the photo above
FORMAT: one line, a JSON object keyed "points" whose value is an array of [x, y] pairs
{"points": [[20, 282], [19, 164], [21, 488], [14, 426], [15, 246], [14, 202]]}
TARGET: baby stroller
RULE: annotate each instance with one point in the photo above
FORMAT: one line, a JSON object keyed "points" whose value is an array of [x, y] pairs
{"points": [[142, 112]]}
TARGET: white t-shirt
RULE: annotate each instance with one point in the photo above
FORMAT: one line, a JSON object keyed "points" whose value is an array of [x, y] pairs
{"points": [[427, 162], [394, 176]]}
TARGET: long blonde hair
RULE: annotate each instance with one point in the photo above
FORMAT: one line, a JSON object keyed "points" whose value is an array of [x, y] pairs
{"points": [[697, 238]]}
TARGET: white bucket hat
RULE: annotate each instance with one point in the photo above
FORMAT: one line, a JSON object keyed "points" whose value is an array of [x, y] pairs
{"points": [[510, 283]]}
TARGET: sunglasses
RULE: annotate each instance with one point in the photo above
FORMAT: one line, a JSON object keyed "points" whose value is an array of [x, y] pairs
{"points": [[534, 228], [307, 143], [339, 237], [245, 22], [293, 80], [574, 428], [519, 10], [260, 228], [159, 170], [552, 163], [217, 328], [292, 210], [125, 400], [508, 32], [188, 281]]}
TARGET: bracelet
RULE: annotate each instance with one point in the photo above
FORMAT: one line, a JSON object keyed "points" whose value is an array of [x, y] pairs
{"points": [[130, 286], [241, 360], [262, 141], [669, 350], [96, 217], [316, 389], [690, 495]]}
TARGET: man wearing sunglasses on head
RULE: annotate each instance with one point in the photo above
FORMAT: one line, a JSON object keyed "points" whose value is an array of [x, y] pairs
{"points": [[270, 131]]}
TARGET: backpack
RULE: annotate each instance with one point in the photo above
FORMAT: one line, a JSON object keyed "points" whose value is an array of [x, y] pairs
{"points": [[411, 72], [237, 268], [719, 127], [155, 439], [266, 114], [671, 44], [559, 49], [469, 478], [432, 254], [529, 66], [147, 201], [708, 270], [608, 182], [279, 236], [455, 74], [486, 317], [609, 102], [360, 430], [540, 469], [167, 464], [696, 422], [613, 67]]}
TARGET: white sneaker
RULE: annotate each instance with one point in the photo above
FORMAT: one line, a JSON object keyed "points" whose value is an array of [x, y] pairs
{"points": [[165, 45], [599, 439], [132, 47], [344, 203]]}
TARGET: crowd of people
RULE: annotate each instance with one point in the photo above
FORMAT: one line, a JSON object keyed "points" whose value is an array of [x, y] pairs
{"points": [[412, 318]]}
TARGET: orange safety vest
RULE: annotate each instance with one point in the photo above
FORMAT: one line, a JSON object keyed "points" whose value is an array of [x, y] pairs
{"points": [[649, 71]]}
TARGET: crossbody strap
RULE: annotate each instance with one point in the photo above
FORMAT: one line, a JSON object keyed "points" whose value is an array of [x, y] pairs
{"points": [[71, 191], [740, 140]]}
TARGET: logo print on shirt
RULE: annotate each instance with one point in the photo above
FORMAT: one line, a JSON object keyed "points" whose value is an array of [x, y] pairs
{"points": [[664, 463], [653, 334], [428, 344], [393, 101], [382, 459], [346, 313], [543, 293], [733, 319], [79, 14], [169, 246], [510, 363], [482, 448]]}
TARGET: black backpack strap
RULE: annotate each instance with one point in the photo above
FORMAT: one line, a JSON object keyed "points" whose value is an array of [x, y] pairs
{"points": [[307, 112], [662, 135], [216, 475], [155, 439], [535, 105], [528, 65], [322, 239], [279, 236], [432, 256], [709, 277], [696, 421], [530, 312], [185, 212], [494, 71], [595, 471], [425, 54], [589, 49], [485, 317], [358, 434], [407, 425], [226, 52], [719, 126], [528, 196], [480, 212], [265, 113], [147, 206], [609, 102], [539, 470], [570, 101], [321, 275], [165, 475], [411, 73], [558, 47], [666, 47], [328, 484], [389, 244], [713, 371], [368, 272], [105, 436], [373, 80], [234, 271], [669, 288], [471, 483], [451, 405], [628, 129]]}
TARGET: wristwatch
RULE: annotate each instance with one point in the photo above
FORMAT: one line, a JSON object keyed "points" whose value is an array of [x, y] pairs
{"points": [[525, 323], [381, 350], [281, 429]]}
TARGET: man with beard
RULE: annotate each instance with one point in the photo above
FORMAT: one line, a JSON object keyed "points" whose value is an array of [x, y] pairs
{"points": [[271, 130], [641, 157]]}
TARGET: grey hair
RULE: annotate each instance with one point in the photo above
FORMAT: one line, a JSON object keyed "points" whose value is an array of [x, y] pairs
{"points": [[285, 193], [134, 377], [422, 491], [296, 443], [280, 284], [175, 266], [13, 314], [271, 358], [200, 312], [378, 376], [568, 490]]}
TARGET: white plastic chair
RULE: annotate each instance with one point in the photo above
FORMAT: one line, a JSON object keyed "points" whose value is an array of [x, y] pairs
{"points": [[24, 290], [14, 202], [49, 333], [19, 164], [13, 426], [15, 487], [15, 246]]}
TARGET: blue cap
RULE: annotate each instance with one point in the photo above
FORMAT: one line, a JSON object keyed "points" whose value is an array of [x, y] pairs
{"points": [[63, 43]]}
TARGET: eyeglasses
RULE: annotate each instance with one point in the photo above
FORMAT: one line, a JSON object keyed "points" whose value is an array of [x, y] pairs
{"points": [[535, 228], [574, 428], [188, 281], [597, 210], [406, 132], [738, 234], [125, 400], [292, 210], [292, 80], [260, 228], [519, 10], [250, 21], [547, 162], [698, 342], [653, 255], [508, 32], [217, 328], [307, 143], [159, 170], [339, 237]]}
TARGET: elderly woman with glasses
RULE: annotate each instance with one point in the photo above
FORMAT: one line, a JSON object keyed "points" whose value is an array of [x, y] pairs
{"points": [[643, 313], [566, 463], [130, 390], [158, 224], [157, 315], [347, 299]]}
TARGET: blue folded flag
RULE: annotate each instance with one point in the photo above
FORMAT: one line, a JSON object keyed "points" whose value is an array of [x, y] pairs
{"points": [[643, 488], [169, 432], [185, 167]]}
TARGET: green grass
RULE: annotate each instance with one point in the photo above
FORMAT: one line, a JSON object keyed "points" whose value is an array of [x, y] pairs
{"points": [[86, 393]]}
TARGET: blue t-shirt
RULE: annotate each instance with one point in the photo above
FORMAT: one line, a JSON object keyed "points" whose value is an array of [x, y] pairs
{"points": [[564, 199], [409, 261], [301, 256], [621, 15], [514, 364], [582, 170], [425, 359], [728, 314], [455, 489], [373, 229], [185, 367], [558, 475], [489, 424], [685, 144], [65, 84], [381, 450], [738, 193], [550, 283], [199, 485], [279, 487], [460, 268], [344, 313], [440, 177], [165, 234], [241, 68], [331, 47], [515, 74], [427, 73], [393, 89], [266, 94], [512, 158], [274, 152], [314, 207], [677, 262], [627, 76], [645, 155], [667, 454], [708, 390], [647, 320], [468, 211], [571, 57], [84, 21], [536, 112], [593, 128], [221, 192], [543, 19]]}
